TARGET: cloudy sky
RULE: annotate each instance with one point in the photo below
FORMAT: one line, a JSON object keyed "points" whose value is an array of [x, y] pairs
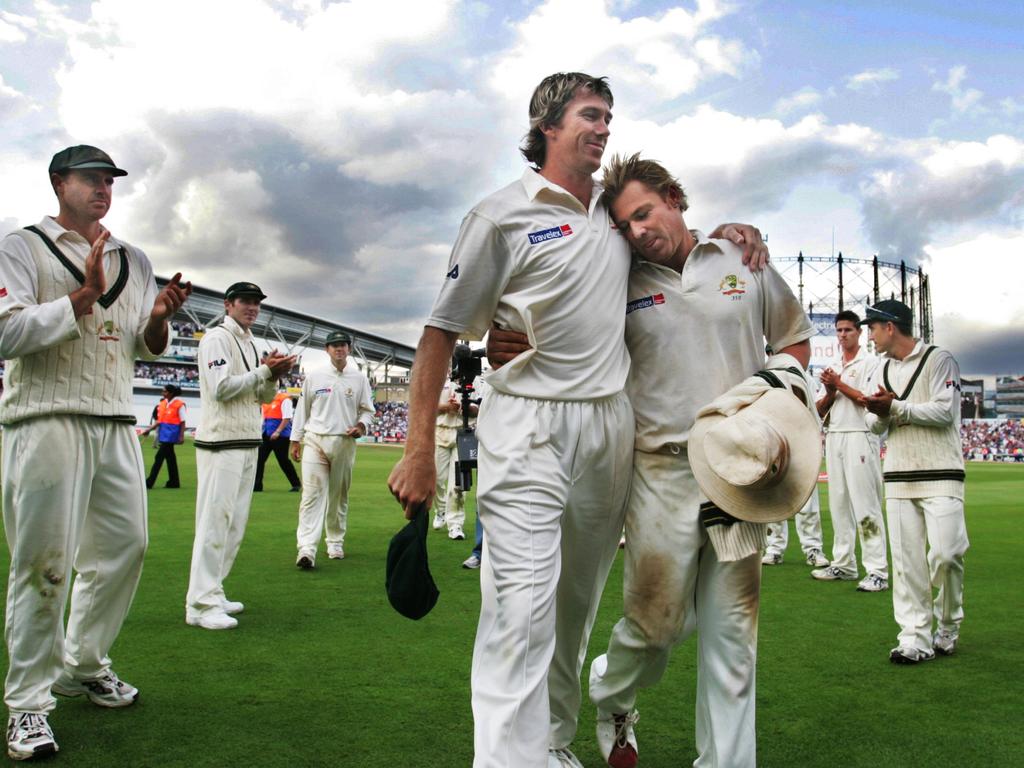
{"points": [[328, 150]]}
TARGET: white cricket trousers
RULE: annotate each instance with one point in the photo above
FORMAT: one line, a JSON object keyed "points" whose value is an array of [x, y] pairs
{"points": [[327, 462], [673, 583], [74, 498], [448, 501], [855, 502], [938, 522], [553, 481], [223, 496], [808, 529]]}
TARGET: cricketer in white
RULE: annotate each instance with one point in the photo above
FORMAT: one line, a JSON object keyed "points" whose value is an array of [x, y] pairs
{"points": [[555, 432], [77, 306]]}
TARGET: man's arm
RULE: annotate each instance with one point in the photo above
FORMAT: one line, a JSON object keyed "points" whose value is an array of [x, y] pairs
{"points": [[748, 237], [801, 351], [412, 480], [943, 404], [366, 411], [167, 302]]}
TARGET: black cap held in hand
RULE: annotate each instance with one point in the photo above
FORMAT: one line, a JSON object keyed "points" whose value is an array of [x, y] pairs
{"points": [[410, 587]]}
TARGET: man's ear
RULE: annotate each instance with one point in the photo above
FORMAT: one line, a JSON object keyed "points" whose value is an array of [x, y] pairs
{"points": [[672, 198]]}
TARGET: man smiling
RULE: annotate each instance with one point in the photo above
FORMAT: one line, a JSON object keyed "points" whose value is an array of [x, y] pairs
{"points": [[540, 257]]}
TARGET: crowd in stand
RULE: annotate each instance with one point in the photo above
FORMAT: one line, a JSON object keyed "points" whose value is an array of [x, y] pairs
{"points": [[183, 328], [182, 375], [392, 422], [993, 440]]}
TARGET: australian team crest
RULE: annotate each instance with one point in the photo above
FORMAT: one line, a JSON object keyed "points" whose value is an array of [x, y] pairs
{"points": [[732, 286], [109, 331]]}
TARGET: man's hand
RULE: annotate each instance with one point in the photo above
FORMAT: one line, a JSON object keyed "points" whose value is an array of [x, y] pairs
{"points": [[95, 283], [412, 482], [279, 365], [357, 431], [505, 346], [830, 379], [296, 450], [748, 237], [879, 403], [170, 299]]}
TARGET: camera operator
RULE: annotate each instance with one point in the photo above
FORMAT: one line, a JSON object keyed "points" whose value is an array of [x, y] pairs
{"points": [[454, 410]]}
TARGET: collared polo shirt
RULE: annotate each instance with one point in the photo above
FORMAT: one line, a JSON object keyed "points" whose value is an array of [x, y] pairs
{"points": [[846, 415], [332, 402], [533, 259], [692, 336]]}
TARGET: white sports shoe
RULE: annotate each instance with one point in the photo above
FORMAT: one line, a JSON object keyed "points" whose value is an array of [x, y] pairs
{"points": [[903, 655], [306, 561], [107, 690], [438, 521], [455, 533], [771, 558], [833, 574], [616, 739], [471, 563], [28, 736], [945, 641], [563, 758], [231, 607], [335, 552], [211, 621], [873, 583], [816, 559]]}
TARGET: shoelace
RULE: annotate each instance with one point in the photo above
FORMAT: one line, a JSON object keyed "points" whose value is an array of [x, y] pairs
{"points": [[622, 725], [563, 754], [32, 724]]}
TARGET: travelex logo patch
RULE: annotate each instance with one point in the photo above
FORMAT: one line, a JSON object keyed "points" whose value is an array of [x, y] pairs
{"points": [[322, 391], [645, 302], [549, 234]]}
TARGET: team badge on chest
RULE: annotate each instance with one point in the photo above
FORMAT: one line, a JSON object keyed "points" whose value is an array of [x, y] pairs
{"points": [[732, 287]]}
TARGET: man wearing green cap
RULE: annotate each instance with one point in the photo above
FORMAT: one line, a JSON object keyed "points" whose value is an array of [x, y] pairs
{"points": [[335, 408], [915, 396], [77, 306], [232, 385]]}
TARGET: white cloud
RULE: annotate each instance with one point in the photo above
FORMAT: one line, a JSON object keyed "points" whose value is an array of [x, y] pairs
{"points": [[871, 78], [803, 99], [650, 59], [963, 101]]}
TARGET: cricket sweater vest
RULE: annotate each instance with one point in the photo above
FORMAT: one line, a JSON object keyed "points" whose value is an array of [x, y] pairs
{"points": [[236, 423], [921, 461], [90, 375]]}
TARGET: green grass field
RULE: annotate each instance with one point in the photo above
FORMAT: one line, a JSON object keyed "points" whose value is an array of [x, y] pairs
{"points": [[321, 670]]}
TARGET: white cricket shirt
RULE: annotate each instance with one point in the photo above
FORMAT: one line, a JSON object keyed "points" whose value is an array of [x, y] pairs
{"points": [[532, 258], [333, 402], [846, 415], [693, 336]]}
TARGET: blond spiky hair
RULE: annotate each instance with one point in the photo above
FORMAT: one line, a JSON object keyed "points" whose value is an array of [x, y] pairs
{"points": [[622, 170]]}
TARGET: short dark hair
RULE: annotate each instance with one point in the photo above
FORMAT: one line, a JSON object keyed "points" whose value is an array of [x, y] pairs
{"points": [[848, 315], [548, 103]]}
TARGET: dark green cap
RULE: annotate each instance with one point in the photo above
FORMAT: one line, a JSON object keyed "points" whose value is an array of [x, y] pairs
{"points": [[410, 587], [244, 289], [338, 337], [81, 157], [889, 311]]}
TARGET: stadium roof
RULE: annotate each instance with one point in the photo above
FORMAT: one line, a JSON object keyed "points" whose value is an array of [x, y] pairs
{"points": [[205, 308]]}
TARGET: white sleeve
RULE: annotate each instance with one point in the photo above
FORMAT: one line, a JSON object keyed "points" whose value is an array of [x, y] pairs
{"points": [[943, 406], [785, 322], [215, 354], [478, 272], [146, 308], [27, 327], [301, 412], [287, 410], [366, 409]]}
